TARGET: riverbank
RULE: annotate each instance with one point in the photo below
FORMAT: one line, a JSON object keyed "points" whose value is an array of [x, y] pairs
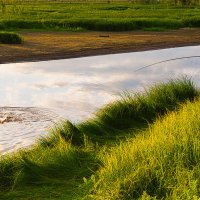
{"points": [[137, 141], [40, 46]]}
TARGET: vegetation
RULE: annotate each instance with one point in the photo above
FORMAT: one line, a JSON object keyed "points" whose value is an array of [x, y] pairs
{"points": [[173, 2], [10, 38], [99, 16], [135, 148], [163, 162]]}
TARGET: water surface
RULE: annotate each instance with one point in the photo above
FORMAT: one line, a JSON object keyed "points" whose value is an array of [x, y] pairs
{"points": [[40, 93]]}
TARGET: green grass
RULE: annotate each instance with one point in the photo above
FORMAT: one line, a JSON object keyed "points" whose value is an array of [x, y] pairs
{"points": [[136, 147], [131, 111], [10, 38], [163, 162], [96, 16]]}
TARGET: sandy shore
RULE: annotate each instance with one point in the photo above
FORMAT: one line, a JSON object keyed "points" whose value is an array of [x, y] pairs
{"points": [[60, 45]]}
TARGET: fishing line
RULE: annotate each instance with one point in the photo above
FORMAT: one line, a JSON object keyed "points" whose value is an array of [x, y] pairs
{"points": [[164, 61]]}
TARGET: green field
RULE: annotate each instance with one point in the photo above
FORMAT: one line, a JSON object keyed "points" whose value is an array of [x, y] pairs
{"points": [[96, 16], [143, 146]]}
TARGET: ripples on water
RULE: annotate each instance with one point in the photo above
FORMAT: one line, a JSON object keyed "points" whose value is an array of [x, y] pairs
{"points": [[20, 126], [33, 95]]}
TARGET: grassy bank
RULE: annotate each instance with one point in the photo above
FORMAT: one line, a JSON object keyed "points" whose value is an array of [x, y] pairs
{"points": [[98, 16], [160, 163], [116, 155]]}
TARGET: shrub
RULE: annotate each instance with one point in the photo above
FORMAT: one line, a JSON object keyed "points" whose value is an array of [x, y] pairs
{"points": [[10, 38]]}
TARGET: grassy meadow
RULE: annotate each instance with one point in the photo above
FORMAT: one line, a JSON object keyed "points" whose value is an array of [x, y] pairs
{"points": [[142, 146], [96, 15]]}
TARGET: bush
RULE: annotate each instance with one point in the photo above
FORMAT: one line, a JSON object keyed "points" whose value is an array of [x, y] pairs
{"points": [[10, 38]]}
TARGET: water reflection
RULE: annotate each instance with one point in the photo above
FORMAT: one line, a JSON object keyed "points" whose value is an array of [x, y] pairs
{"points": [[75, 88]]}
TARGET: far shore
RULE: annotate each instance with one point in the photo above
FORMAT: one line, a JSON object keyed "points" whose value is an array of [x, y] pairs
{"points": [[42, 46]]}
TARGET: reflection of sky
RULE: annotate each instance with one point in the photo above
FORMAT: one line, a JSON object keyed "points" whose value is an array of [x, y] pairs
{"points": [[77, 87]]}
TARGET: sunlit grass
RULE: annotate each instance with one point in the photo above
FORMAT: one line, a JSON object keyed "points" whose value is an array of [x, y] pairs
{"points": [[131, 111], [163, 162], [117, 154]]}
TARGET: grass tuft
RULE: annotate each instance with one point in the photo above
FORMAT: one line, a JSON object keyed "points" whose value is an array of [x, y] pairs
{"points": [[133, 109], [63, 131], [10, 38]]}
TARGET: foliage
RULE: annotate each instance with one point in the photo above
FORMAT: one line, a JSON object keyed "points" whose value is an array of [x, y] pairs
{"points": [[10, 38]]}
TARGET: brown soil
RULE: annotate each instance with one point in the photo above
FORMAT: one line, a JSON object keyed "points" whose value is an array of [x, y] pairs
{"points": [[61, 45]]}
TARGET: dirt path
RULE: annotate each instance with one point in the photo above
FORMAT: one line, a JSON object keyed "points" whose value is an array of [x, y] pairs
{"points": [[60, 45]]}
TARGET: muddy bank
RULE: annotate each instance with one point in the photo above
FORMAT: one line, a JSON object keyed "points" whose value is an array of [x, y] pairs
{"points": [[62, 45]]}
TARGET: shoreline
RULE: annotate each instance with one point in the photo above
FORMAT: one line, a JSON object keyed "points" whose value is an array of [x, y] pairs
{"points": [[45, 46], [101, 52]]}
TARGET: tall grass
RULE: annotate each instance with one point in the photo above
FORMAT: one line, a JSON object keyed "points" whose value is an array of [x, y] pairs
{"points": [[131, 111], [10, 38], [161, 163], [63, 166], [145, 107], [77, 161]]}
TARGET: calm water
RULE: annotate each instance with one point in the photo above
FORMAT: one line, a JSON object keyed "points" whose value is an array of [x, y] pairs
{"points": [[35, 95]]}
